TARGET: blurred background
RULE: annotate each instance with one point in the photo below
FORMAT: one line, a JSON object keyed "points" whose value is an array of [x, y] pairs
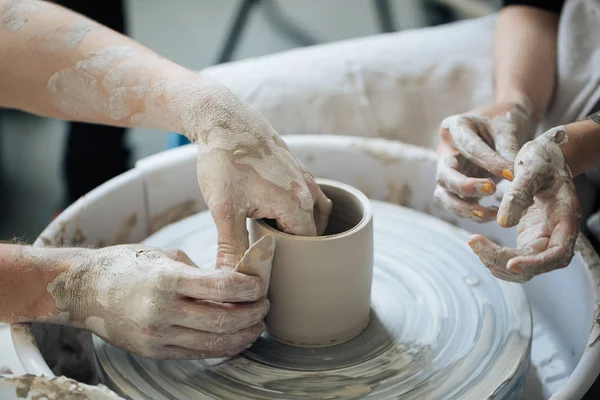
{"points": [[46, 164]]}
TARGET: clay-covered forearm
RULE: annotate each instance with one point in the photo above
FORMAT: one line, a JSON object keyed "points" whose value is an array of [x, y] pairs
{"points": [[525, 49], [60, 64], [25, 273], [582, 151]]}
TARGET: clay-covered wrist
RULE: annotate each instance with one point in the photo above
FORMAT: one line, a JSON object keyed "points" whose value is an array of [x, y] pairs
{"points": [[207, 112], [32, 272]]}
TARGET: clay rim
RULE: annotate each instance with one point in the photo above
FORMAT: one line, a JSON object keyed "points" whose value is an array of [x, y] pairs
{"points": [[350, 191]]}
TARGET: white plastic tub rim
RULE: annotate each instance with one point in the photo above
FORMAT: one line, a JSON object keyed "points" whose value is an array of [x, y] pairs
{"points": [[162, 189]]}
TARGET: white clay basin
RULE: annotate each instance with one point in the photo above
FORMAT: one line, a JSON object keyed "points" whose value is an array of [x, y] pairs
{"points": [[162, 189]]}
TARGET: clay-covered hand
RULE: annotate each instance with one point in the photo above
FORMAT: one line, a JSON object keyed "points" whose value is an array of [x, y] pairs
{"points": [[158, 304], [477, 150], [543, 201], [246, 170]]}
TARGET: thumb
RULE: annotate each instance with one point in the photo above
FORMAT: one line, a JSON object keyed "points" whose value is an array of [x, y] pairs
{"points": [[511, 129], [517, 199], [232, 240], [506, 141]]}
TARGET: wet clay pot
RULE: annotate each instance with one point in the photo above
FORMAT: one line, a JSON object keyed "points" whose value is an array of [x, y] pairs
{"points": [[320, 289]]}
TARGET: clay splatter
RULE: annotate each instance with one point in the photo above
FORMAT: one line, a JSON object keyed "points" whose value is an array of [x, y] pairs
{"points": [[57, 388], [77, 34], [175, 213], [125, 229], [14, 14]]}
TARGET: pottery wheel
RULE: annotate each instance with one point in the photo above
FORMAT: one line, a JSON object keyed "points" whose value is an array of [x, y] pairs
{"points": [[442, 328]]}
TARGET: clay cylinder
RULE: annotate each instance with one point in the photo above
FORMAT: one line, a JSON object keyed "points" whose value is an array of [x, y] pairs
{"points": [[320, 289]]}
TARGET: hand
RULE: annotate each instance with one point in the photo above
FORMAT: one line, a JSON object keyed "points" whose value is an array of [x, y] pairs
{"points": [[543, 201], [478, 150], [158, 304], [246, 170]]}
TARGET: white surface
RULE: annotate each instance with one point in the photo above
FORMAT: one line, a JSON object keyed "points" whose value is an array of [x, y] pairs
{"points": [[8, 356]]}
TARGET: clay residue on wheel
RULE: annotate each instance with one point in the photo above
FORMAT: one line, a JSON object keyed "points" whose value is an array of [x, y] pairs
{"points": [[125, 229], [61, 236], [591, 259], [42, 388], [400, 194], [24, 330], [173, 214], [380, 151]]}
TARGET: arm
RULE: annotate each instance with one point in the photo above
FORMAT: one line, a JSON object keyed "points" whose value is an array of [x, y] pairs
{"points": [[525, 49], [154, 302], [478, 148], [24, 275], [64, 65], [582, 151]]}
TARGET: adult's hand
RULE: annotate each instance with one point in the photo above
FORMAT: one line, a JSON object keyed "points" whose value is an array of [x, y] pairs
{"points": [[477, 151], [157, 303], [246, 170], [543, 201]]}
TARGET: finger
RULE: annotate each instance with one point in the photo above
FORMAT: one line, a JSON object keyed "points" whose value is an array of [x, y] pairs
{"points": [[517, 199], [508, 276], [546, 261], [232, 235], [222, 286], [559, 253], [491, 254], [219, 317], [462, 208], [300, 223], [507, 129], [212, 342], [449, 177], [505, 138], [183, 353], [470, 145], [322, 210], [179, 256]]}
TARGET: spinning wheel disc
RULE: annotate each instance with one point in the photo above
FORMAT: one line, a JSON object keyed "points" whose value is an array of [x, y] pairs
{"points": [[442, 327]]}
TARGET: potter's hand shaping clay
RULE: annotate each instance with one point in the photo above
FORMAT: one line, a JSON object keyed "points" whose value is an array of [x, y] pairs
{"points": [[86, 72], [246, 170], [542, 200], [157, 303], [476, 151]]}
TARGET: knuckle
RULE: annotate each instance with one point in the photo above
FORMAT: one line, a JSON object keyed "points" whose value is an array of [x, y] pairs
{"points": [[224, 323], [305, 199], [438, 195], [226, 284], [216, 342], [150, 352]]}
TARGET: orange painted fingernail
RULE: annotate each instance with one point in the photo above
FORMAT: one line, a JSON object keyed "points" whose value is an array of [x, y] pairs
{"points": [[516, 270], [502, 221], [477, 214], [508, 174], [486, 188]]}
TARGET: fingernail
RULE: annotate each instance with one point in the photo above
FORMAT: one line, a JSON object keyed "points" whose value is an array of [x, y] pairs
{"points": [[477, 214], [502, 221], [516, 269], [474, 244], [226, 268], [508, 174], [486, 188]]}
